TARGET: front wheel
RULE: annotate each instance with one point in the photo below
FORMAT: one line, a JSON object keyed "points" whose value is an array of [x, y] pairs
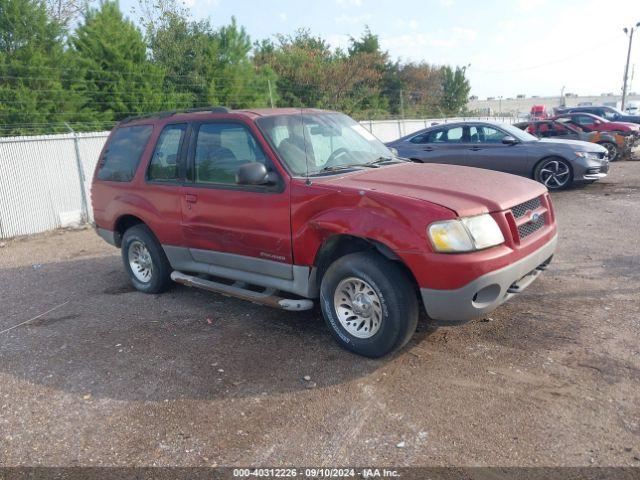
{"points": [[554, 173], [369, 304], [613, 152]]}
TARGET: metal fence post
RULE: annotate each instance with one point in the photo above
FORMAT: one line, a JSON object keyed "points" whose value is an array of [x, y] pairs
{"points": [[81, 177]]}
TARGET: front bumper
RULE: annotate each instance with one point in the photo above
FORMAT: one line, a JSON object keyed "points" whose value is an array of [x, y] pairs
{"points": [[489, 291], [591, 170]]}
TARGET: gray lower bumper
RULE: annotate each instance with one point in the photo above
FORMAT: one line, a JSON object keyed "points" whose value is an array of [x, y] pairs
{"points": [[594, 176], [487, 292], [108, 236]]}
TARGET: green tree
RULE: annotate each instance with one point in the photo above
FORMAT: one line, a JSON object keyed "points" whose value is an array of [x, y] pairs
{"points": [[455, 89], [237, 81], [32, 62], [114, 74], [310, 74]]}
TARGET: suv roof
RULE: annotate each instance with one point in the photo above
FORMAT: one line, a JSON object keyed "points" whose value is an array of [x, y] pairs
{"points": [[193, 113]]}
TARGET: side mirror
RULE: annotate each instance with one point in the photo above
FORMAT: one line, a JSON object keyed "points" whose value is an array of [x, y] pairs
{"points": [[254, 173], [509, 140]]}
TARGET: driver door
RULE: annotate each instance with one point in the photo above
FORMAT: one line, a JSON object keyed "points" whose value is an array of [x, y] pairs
{"points": [[224, 223], [489, 152]]}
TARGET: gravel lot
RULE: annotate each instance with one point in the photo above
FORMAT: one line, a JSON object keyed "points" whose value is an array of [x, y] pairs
{"points": [[115, 377]]}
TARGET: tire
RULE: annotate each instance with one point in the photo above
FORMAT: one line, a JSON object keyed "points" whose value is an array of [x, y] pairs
{"points": [[142, 252], [612, 149], [554, 173], [384, 283]]}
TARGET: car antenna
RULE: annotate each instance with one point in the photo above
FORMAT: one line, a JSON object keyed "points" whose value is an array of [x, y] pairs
{"points": [[306, 156]]}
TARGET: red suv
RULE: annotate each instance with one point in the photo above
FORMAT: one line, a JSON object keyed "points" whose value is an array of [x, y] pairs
{"points": [[284, 206]]}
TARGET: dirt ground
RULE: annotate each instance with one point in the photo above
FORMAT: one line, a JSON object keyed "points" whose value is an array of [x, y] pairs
{"points": [[110, 376]]}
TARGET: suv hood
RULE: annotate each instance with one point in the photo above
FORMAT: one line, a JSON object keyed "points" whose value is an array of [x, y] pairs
{"points": [[465, 190]]}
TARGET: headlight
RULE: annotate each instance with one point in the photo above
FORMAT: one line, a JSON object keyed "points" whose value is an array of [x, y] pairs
{"points": [[465, 234], [590, 155]]}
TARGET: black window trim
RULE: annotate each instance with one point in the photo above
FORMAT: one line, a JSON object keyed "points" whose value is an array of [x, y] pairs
{"points": [[189, 174], [182, 150]]}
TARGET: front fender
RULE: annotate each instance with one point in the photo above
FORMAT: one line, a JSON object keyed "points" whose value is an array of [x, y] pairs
{"points": [[398, 223]]}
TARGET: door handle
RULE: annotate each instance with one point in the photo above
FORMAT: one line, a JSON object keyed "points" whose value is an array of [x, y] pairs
{"points": [[428, 149], [475, 149], [191, 198]]}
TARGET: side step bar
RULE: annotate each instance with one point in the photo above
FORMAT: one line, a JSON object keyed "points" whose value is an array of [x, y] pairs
{"points": [[239, 290]]}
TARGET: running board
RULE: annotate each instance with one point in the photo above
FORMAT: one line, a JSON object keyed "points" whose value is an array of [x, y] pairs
{"points": [[239, 290]]}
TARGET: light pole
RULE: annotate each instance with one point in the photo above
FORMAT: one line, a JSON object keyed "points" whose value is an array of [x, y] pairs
{"points": [[500, 108], [629, 32]]}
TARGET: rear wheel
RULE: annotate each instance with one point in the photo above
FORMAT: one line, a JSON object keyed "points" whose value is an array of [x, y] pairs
{"points": [[613, 152], [369, 304], [145, 261], [554, 173]]}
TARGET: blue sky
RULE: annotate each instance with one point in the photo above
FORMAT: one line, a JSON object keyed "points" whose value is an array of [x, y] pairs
{"points": [[533, 47]]}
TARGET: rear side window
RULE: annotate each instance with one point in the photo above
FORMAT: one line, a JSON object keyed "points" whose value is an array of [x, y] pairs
{"points": [[164, 162], [122, 155]]}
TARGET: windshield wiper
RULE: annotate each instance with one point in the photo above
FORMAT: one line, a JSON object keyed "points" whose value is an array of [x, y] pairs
{"points": [[371, 164], [333, 168], [383, 160]]}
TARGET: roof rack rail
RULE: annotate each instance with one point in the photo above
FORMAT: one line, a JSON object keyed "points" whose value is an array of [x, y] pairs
{"points": [[169, 113]]}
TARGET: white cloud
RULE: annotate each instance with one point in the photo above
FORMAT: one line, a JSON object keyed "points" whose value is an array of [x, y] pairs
{"points": [[403, 24], [353, 19], [282, 16], [339, 40], [349, 3], [447, 3], [530, 5], [461, 33]]}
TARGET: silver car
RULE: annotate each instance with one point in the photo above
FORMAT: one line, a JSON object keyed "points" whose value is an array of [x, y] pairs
{"points": [[555, 163]]}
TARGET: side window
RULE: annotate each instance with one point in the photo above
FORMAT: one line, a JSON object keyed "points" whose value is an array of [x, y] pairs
{"points": [[164, 162], [437, 136], [492, 135], [222, 148], [454, 135], [423, 138], [474, 134], [584, 120], [121, 157]]}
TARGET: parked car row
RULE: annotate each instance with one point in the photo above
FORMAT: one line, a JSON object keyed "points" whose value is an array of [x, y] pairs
{"points": [[617, 145], [285, 207], [590, 118], [555, 163]]}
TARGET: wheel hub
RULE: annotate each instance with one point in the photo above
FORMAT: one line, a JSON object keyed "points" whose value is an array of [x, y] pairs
{"points": [[554, 174], [358, 307], [140, 261]]}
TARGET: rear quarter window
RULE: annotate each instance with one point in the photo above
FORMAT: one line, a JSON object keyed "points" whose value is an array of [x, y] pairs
{"points": [[122, 154]]}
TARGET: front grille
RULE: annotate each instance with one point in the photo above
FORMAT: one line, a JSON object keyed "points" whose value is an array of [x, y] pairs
{"points": [[521, 209], [528, 228], [524, 208]]}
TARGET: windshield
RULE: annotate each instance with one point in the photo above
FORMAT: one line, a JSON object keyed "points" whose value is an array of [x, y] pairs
{"points": [[518, 134], [311, 143]]}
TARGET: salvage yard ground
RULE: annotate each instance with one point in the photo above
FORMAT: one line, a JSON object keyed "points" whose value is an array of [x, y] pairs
{"points": [[115, 377]]}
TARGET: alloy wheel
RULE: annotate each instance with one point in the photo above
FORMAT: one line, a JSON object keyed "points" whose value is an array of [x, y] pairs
{"points": [[358, 307], [555, 174], [140, 261]]}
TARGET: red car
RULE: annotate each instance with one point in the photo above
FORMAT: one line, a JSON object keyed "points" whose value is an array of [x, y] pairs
{"points": [[286, 206], [591, 123]]}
